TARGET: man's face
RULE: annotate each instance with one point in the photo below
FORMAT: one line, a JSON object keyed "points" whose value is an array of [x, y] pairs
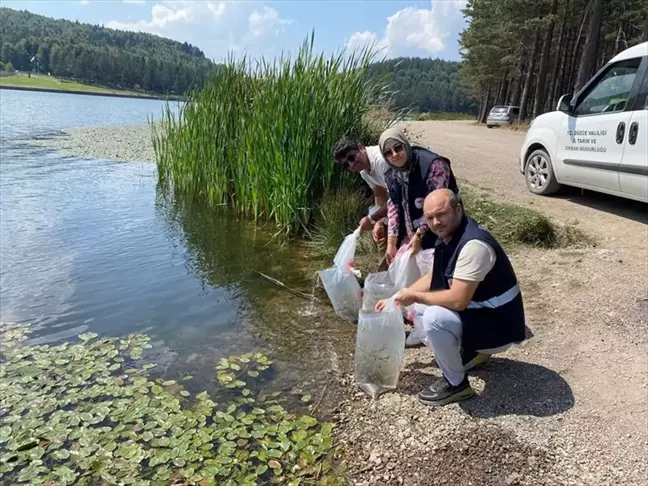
{"points": [[356, 160], [442, 218]]}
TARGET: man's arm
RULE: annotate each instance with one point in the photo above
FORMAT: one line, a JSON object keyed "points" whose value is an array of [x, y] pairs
{"points": [[456, 298], [380, 198]]}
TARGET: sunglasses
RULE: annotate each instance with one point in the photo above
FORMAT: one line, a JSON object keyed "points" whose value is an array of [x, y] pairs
{"points": [[349, 159], [394, 151]]}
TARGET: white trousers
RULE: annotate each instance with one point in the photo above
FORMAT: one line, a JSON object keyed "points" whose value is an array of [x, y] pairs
{"points": [[440, 329]]}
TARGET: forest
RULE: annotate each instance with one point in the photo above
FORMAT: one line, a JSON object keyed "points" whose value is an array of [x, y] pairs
{"points": [[530, 52], [426, 85], [97, 55]]}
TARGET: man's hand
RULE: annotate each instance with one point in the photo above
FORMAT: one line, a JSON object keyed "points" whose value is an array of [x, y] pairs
{"points": [[366, 224], [379, 232], [405, 297]]}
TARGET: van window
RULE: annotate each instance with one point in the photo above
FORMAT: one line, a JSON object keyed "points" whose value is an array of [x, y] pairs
{"points": [[499, 109], [611, 92]]}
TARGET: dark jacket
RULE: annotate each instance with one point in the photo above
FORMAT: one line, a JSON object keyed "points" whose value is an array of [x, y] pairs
{"points": [[495, 316], [419, 188]]}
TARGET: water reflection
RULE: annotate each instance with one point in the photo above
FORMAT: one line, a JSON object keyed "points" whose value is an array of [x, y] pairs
{"points": [[305, 338]]}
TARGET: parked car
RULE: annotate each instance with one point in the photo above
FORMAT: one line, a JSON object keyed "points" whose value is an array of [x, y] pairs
{"points": [[502, 115], [597, 139]]}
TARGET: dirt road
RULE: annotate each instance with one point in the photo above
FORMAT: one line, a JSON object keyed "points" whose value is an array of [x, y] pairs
{"points": [[569, 406]]}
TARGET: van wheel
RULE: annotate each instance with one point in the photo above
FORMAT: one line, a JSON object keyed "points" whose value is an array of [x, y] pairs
{"points": [[539, 174], [489, 126]]}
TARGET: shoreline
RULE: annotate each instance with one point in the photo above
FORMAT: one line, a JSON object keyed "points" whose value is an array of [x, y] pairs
{"points": [[91, 93]]}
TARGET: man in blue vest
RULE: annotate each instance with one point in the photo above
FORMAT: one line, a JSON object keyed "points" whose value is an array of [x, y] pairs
{"points": [[474, 302]]}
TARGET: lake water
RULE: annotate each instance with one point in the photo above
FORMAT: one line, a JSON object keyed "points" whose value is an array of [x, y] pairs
{"points": [[93, 245]]}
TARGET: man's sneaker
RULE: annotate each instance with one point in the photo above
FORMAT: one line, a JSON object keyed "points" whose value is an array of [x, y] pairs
{"points": [[442, 393], [471, 359]]}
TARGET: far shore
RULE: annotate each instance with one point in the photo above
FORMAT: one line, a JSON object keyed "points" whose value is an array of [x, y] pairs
{"points": [[114, 94]]}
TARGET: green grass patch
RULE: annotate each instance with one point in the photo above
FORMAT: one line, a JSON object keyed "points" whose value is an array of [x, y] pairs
{"points": [[51, 82], [512, 224], [91, 413], [337, 215], [258, 137]]}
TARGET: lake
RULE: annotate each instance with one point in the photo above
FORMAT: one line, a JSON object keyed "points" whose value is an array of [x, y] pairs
{"points": [[95, 246]]}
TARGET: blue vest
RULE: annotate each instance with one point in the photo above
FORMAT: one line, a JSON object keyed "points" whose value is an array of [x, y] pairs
{"points": [[422, 159], [495, 316]]}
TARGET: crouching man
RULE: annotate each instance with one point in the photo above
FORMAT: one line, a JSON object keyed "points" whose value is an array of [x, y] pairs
{"points": [[474, 305]]}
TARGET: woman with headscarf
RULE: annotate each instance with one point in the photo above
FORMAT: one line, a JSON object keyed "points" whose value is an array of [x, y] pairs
{"points": [[413, 173]]}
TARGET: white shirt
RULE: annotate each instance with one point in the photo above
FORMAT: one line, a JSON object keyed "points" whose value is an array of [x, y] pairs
{"points": [[376, 175], [475, 260]]}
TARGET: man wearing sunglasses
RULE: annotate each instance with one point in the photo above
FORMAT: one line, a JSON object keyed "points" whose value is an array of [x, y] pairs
{"points": [[370, 164]]}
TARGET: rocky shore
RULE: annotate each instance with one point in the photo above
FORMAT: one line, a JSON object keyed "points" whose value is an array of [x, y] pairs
{"points": [[127, 143]]}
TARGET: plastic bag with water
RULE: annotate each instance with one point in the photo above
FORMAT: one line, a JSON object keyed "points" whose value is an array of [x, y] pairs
{"points": [[380, 346], [404, 270], [343, 291], [425, 260], [340, 283], [345, 256], [377, 286]]}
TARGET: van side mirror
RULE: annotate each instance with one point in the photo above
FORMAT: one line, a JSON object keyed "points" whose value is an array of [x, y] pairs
{"points": [[565, 105]]}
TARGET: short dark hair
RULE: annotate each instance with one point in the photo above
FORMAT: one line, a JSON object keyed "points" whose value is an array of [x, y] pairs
{"points": [[343, 147]]}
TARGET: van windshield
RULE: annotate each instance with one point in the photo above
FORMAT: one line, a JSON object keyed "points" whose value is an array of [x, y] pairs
{"points": [[499, 109]]}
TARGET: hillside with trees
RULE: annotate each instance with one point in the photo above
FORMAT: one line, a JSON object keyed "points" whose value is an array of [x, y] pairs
{"points": [[426, 85], [97, 55], [530, 52]]}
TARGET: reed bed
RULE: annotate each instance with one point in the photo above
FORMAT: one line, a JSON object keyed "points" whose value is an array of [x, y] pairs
{"points": [[258, 137]]}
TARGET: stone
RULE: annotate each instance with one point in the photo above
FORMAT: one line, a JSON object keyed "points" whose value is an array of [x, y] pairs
{"points": [[512, 478]]}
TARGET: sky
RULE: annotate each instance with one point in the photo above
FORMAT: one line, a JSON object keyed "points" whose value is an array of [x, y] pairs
{"points": [[268, 28]]}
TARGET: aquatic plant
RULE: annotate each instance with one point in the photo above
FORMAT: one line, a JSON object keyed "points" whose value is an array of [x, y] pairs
{"points": [[89, 413], [259, 138]]}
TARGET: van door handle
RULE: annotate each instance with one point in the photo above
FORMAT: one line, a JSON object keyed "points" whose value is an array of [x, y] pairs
{"points": [[620, 132], [633, 132]]}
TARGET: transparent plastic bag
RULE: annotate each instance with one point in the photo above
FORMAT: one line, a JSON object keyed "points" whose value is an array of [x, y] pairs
{"points": [[380, 346], [345, 256], [404, 271], [418, 334], [343, 291], [377, 286], [425, 260]]}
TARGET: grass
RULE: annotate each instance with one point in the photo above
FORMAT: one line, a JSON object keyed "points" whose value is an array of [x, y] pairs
{"points": [[513, 225], [337, 215], [51, 82], [258, 137]]}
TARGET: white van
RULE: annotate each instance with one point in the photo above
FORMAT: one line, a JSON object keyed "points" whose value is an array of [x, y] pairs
{"points": [[598, 140]]}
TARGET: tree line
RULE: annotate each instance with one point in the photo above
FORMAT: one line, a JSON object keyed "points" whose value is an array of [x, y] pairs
{"points": [[426, 85], [98, 55], [530, 52]]}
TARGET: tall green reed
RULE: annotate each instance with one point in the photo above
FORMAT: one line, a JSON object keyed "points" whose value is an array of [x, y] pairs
{"points": [[258, 137]]}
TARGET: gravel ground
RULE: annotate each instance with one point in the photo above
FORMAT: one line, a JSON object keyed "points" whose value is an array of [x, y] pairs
{"points": [[120, 142], [569, 406]]}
